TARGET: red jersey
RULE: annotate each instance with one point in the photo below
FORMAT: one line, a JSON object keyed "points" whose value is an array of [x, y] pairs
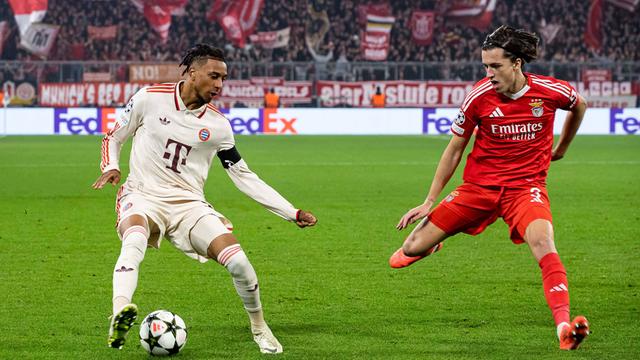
{"points": [[515, 133]]}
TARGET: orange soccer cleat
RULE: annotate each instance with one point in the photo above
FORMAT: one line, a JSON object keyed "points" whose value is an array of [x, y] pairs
{"points": [[571, 336], [400, 260]]}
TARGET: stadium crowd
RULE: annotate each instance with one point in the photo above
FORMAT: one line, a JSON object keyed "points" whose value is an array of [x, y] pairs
{"points": [[137, 41]]}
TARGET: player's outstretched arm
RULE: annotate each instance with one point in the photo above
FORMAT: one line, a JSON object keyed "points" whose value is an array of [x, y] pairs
{"points": [[250, 184], [569, 130], [112, 176], [305, 218], [446, 167]]}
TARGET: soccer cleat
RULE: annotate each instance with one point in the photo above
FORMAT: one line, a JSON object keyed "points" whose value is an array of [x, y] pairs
{"points": [[572, 335], [267, 342], [120, 325], [400, 260]]}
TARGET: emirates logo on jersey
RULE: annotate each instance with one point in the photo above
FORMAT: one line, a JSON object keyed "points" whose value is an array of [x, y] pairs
{"points": [[204, 134], [536, 107], [520, 131]]}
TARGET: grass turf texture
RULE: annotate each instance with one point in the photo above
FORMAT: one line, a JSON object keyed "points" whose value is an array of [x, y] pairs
{"points": [[327, 291]]}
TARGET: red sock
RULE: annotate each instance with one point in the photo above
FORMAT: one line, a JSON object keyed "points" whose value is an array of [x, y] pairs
{"points": [[556, 289]]}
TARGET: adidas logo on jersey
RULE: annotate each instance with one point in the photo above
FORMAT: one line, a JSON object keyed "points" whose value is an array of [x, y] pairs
{"points": [[558, 288], [496, 113]]}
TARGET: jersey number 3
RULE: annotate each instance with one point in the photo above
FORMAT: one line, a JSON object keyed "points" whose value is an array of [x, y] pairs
{"points": [[535, 195], [177, 147]]}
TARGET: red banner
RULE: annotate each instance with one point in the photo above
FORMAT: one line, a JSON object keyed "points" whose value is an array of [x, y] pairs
{"points": [[271, 39], [28, 12], [398, 93], [102, 32], [593, 32], [158, 14], [238, 18], [477, 14], [422, 24], [589, 75], [250, 93], [86, 94]]}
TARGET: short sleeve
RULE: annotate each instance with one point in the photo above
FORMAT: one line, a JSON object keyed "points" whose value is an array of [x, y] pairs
{"points": [[569, 98], [464, 123]]}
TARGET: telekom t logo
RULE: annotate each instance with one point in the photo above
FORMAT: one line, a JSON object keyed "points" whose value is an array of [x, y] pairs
{"points": [[176, 154]]}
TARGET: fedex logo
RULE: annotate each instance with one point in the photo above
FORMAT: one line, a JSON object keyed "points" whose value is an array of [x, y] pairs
{"points": [[87, 121], [624, 121], [259, 121], [438, 121]]}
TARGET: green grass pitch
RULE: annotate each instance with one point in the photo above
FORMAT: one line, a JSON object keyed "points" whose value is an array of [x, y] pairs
{"points": [[327, 291]]}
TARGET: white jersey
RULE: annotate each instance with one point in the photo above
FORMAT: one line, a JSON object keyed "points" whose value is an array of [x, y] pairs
{"points": [[173, 148]]}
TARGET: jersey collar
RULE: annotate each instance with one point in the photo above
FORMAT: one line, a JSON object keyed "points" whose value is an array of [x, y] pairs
{"points": [[180, 106], [522, 91]]}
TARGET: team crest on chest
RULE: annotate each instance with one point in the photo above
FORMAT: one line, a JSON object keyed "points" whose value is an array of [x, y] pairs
{"points": [[204, 134], [536, 107]]}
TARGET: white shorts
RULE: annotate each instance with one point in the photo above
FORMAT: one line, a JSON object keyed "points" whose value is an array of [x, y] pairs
{"points": [[174, 221]]}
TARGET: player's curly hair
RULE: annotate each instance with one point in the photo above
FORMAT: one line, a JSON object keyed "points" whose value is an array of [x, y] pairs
{"points": [[200, 52], [517, 44]]}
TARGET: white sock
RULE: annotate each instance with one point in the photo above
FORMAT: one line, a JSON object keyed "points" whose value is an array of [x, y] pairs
{"points": [[125, 273], [560, 327], [245, 281]]}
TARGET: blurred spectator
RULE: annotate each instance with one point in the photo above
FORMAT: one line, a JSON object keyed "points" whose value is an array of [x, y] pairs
{"points": [[136, 41], [271, 99], [378, 100]]}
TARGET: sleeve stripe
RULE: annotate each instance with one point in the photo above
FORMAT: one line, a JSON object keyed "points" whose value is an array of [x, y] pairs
{"points": [[551, 87], [557, 84], [105, 147], [105, 153], [215, 109], [484, 89], [473, 91]]}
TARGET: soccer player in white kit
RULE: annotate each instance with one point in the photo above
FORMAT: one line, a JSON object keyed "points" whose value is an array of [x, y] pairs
{"points": [[176, 133]]}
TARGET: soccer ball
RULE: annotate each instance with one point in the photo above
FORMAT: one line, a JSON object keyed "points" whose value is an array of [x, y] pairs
{"points": [[163, 333]]}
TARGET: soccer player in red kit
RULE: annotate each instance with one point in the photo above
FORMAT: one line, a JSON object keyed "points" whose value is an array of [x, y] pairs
{"points": [[505, 174]]}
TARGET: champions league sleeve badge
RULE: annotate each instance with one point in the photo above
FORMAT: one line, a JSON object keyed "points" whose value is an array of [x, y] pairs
{"points": [[460, 118]]}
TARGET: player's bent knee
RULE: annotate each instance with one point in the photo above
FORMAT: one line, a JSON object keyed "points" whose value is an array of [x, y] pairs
{"points": [[539, 237], [423, 239]]}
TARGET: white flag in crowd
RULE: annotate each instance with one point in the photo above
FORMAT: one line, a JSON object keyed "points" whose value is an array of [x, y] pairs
{"points": [[271, 39], [629, 5], [39, 38]]}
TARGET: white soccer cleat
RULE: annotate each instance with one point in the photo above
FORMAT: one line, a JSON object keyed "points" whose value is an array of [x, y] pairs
{"points": [[120, 325], [267, 342]]}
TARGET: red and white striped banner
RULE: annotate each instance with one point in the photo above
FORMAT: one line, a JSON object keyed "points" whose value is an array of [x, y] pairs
{"points": [[477, 14], [28, 12]]}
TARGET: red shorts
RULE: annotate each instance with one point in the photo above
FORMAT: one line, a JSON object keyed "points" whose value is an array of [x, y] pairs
{"points": [[471, 208]]}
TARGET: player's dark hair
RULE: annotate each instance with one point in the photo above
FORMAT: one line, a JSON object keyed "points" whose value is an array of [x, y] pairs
{"points": [[515, 43], [200, 52]]}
